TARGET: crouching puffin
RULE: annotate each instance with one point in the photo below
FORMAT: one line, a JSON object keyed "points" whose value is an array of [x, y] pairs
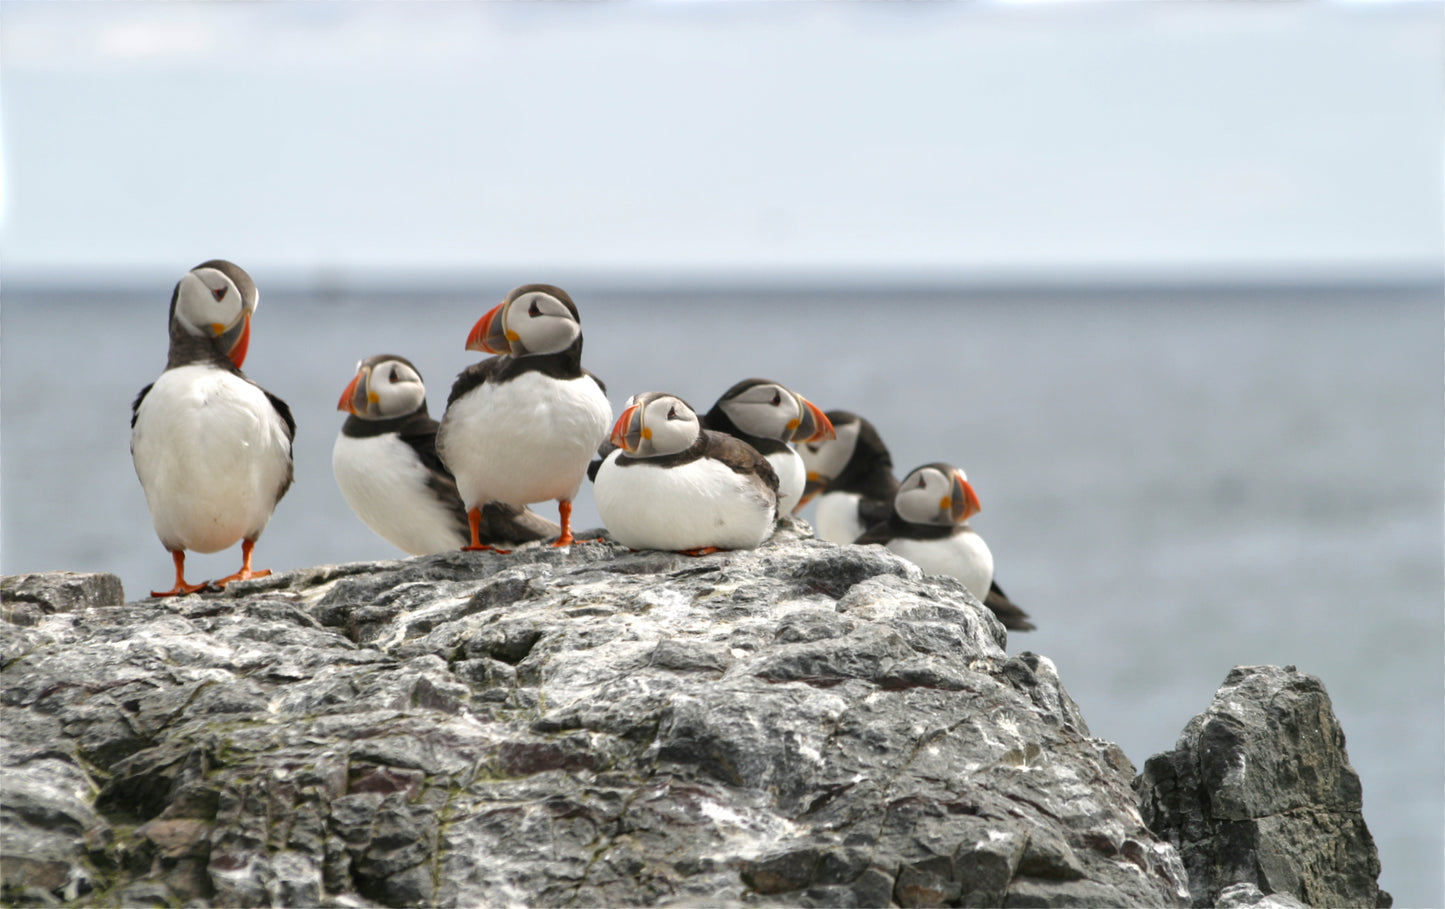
{"points": [[671, 484], [521, 427], [211, 447], [768, 416], [385, 461], [928, 526]]}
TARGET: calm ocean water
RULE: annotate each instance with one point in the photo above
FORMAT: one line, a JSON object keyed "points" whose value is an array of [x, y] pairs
{"points": [[1173, 482]]}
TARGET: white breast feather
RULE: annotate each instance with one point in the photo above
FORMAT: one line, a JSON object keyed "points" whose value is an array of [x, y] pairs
{"points": [[211, 453], [964, 556], [524, 441], [386, 485], [792, 476], [690, 506], [836, 518]]}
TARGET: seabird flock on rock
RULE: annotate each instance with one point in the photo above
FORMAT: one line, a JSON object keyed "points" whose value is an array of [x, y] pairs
{"points": [[525, 426]]}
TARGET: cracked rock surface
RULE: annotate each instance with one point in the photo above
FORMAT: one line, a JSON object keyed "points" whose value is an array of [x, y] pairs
{"points": [[1260, 799], [800, 725]]}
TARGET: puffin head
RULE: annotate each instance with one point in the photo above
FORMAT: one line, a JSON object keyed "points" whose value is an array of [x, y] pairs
{"points": [[936, 494], [534, 319], [215, 301], [656, 424], [824, 459], [769, 410], [384, 386]]}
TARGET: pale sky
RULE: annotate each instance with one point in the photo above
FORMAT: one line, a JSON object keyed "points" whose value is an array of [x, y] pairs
{"points": [[969, 140]]}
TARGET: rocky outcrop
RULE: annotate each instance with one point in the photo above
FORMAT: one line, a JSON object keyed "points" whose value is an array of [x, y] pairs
{"points": [[1260, 799], [804, 724]]}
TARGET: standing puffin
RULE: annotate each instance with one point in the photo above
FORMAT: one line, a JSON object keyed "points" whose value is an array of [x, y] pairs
{"points": [[211, 447], [851, 477], [385, 461], [674, 485], [521, 427], [768, 416], [928, 526]]}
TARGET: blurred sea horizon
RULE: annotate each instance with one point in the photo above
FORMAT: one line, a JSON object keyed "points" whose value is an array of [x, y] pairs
{"points": [[1178, 476]]}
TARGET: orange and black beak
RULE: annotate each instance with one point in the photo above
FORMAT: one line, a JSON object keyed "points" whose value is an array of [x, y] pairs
{"points": [[355, 397], [814, 486], [628, 432], [236, 340], [814, 426], [490, 334], [962, 501]]}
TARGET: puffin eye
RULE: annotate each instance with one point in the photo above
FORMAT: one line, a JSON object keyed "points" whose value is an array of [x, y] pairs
{"points": [[219, 293], [777, 398], [394, 377], [672, 413], [534, 310]]}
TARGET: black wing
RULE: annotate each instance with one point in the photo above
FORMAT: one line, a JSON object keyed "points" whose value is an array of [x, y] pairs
{"points": [[872, 512], [472, 376], [135, 405], [740, 456], [290, 422]]}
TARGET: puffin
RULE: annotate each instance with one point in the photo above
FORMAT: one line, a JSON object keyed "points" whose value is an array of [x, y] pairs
{"points": [[385, 461], [851, 477], [522, 426], [928, 526], [767, 415], [212, 448], [672, 484]]}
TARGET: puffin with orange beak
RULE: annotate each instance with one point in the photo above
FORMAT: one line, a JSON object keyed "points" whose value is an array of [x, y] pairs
{"points": [[929, 527], [385, 462], [212, 449], [521, 427], [767, 415], [671, 484]]}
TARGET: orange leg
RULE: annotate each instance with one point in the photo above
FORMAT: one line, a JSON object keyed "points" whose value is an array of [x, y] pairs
{"points": [[179, 557], [564, 507], [245, 574], [474, 518]]}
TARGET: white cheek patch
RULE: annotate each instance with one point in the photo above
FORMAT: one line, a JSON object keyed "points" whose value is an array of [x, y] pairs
{"points": [[197, 308], [920, 504], [546, 334], [760, 418], [669, 436], [395, 399], [827, 459]]}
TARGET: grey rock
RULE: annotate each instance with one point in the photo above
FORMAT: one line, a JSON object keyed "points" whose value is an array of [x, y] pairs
{"points": [[799, 725], [25, 598], [1248, 896], [1259, 791]]}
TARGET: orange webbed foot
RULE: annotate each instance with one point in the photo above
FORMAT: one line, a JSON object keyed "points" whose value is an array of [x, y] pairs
{"points": [[701, 551], [178, 556], [180, 590], [245, 574]]}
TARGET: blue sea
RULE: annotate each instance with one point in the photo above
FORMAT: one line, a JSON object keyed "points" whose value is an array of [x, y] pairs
{"points": [[1174, 481]]}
